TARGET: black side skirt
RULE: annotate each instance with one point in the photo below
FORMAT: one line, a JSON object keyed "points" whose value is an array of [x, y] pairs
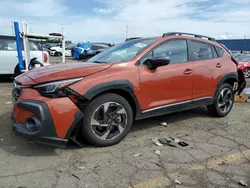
{"points": [[176, 108]]}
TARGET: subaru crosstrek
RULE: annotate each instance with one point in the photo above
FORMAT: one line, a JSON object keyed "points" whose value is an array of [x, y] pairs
{"points": [[98, 100]]}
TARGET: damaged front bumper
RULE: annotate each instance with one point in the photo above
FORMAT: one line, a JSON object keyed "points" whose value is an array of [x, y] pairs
{"points": [[39, 125]]}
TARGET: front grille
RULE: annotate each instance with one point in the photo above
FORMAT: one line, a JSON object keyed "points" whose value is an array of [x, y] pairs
{"points": [[16, 92]]}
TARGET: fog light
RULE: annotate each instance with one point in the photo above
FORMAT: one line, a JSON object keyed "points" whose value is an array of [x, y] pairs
{"points": [[31, 124]]}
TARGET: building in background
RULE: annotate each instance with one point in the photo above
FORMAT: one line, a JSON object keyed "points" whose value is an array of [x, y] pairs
{"points": [[237, 45]]}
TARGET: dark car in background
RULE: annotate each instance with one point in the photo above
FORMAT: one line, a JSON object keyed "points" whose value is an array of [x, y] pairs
{"points": [[84, 51]]}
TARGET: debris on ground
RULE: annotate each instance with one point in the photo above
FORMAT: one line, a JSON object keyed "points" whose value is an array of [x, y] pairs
{"points": [[222, 163], [242, 183], [169, 142], [97, 166], [137, 155], [181, 143], [166, 142], [2, 139], [163, 124], [157, 142], [8, 102], [81, 167], [157, 152], [76, 176], [177, 182]]}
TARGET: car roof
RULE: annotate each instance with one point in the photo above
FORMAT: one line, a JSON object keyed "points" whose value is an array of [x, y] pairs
{"points": [[186, 36]]}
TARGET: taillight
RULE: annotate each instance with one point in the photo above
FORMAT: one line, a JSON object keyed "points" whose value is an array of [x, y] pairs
{"points": [[45, 57]]}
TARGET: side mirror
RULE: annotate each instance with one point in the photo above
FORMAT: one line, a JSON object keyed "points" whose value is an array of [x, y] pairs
{"points": [[157, 62]]}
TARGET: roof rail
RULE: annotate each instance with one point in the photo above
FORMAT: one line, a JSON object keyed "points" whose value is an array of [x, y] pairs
{"points": [[190, 34], [132, 38]]}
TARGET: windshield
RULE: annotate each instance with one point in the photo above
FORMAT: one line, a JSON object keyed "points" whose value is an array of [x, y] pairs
{"points": [[243, 58], [123, 52]]}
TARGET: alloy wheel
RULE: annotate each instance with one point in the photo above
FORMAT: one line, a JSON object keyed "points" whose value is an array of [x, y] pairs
{"points": [[109, 121], [225, 100], [247, 73]]}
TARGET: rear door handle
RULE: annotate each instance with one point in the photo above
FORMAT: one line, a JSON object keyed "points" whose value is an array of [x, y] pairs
{"points": [[188, 71], [218, 65]]}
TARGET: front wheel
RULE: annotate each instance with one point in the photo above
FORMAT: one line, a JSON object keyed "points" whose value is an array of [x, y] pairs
{"points": [[247, 72], [223, 102], [58, 54], [107, 120]]}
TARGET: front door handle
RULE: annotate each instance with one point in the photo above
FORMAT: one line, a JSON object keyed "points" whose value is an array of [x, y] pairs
{"points": [[218, 65], [188, 71]]}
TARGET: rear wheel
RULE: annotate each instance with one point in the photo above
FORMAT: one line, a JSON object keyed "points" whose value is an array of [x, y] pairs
{"points": [[107, 120], [247, 72], [223, 102]]}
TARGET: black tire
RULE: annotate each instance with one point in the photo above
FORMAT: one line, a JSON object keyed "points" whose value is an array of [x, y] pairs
{"points": [[58, 54], [86, 128], [214, 109]]}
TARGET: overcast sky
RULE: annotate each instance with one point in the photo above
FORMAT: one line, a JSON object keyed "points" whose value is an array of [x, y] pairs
{"points": [[101, 20]]}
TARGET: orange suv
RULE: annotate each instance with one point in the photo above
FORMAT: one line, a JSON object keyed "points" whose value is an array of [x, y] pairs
{"points": [[99, 99]]}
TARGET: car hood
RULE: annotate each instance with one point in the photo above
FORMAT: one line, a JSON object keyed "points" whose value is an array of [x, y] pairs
{"points": [[55, 48], [65, 71], [243, 62]]}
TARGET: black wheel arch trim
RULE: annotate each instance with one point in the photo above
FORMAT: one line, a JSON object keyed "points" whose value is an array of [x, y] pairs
{"points": [[232, 75], [124, 85], [77, 118]]}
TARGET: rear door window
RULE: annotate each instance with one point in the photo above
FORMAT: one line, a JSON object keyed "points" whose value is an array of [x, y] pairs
{"points": [[7, 45], [10, 45], [200, 51]]}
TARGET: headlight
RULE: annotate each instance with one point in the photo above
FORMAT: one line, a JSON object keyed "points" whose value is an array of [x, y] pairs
{"points": [[54, 86]]}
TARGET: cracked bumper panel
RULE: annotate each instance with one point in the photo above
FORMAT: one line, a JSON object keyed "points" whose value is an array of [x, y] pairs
{"points": [[54, 119]]}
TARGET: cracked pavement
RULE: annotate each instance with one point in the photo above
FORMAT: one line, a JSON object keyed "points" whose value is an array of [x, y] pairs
{"points": [[218, 154]]}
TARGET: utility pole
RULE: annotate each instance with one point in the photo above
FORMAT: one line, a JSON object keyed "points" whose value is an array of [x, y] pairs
{"points": [[12, 29]]}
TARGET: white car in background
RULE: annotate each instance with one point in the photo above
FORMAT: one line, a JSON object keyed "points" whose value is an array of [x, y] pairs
{"points": [[9, 58], [57, 50]]}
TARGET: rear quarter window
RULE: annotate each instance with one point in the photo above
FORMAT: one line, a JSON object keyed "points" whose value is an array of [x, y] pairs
{"points": [[219, 51]]}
